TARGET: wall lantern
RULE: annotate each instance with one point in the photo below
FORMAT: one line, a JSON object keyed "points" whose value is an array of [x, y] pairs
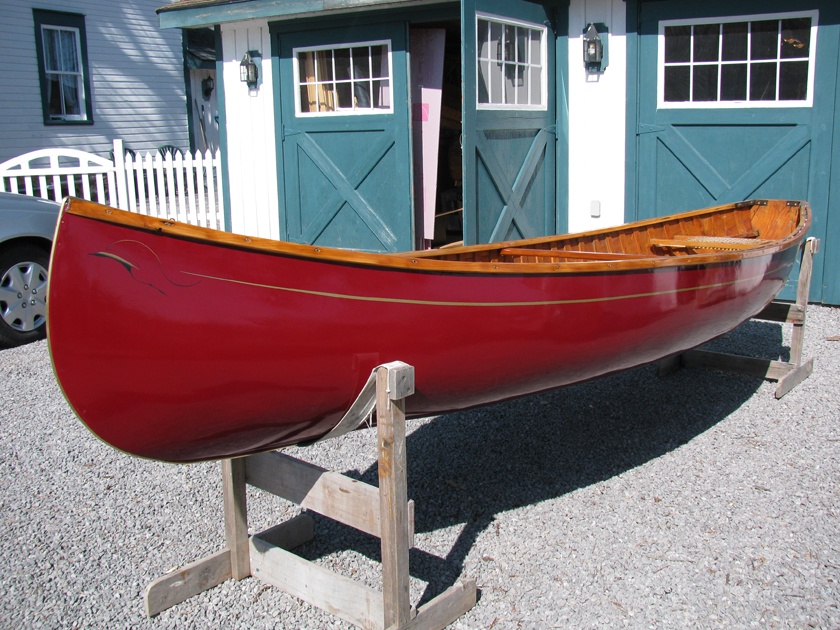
{"points": [[593, 49], [248, 72], [207, 86]]}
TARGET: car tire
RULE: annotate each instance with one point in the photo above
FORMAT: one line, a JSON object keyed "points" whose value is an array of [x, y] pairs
{"points": [[23, 294]]}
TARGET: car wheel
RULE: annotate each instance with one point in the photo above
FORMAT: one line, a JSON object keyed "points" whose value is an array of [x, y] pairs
{"points": [[23, 294]]}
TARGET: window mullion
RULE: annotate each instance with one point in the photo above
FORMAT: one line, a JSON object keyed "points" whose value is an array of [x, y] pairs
{"points": [[691, 66], [720, 63], [531, 33], [515, 65], [778, 58], [59, 56], [502, 60], [334, 79], [489, 65], [749, 58], [370, 75]]}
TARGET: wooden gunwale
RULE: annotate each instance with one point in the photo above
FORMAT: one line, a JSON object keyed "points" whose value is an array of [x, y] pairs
{"points": [[457, 260]]}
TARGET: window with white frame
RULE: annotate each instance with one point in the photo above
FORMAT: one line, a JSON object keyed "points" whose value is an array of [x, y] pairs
{"points": [[749, 61], [511, 64], [346, 79], [62, 67]]}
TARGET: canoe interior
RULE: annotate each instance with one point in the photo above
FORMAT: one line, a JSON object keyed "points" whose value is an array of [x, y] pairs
{"points": [[736, 227]]}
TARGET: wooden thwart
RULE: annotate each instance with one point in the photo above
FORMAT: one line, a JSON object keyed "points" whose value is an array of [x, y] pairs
{"points": [[788, 373], [384, 512]]}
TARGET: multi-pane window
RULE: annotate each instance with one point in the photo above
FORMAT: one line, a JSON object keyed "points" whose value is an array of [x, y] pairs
{"points": [[511, 64], [63, 72], [741, 62], [347, 79], [62, 66]]}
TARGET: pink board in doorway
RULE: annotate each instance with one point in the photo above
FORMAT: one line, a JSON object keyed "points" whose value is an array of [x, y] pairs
{"points": [[427, 48]]}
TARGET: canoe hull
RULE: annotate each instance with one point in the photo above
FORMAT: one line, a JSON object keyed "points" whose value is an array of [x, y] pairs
{"points": [[182, 351]]}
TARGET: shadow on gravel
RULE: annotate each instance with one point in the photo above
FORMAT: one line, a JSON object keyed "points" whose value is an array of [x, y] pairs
{"points": [[466, 467]]}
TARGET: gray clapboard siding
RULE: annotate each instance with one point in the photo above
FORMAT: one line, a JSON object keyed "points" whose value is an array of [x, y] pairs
{"points": [[137, 80]]}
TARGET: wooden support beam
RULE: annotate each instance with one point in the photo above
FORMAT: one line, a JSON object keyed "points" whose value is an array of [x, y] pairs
{"points": [[812, 246], [785, 312], [750, 366], [236, 523], [179, 585], [339, 595], [794, 377], [290, 534], [443, 609], [332, 494], [392, 386]]}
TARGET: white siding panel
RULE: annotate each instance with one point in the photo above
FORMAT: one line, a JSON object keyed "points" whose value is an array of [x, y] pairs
{"points": [[597, 118], [137, 80], [251, 149]]}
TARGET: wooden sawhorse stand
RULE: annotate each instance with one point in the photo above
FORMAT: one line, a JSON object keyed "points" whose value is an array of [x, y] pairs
{"points": [[788, 373], [384, 512]]}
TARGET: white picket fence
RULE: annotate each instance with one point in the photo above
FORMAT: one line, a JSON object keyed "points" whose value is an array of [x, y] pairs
{"points": [[186, 188]]}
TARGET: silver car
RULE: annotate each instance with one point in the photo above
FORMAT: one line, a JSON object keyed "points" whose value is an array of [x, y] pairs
{"points": [[27, 226]]}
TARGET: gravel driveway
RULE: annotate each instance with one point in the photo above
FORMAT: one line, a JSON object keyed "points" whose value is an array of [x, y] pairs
{"points": [[692, 501]]}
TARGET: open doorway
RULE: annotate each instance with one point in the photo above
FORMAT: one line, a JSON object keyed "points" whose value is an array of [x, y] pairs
{"points": [[448, 196]]}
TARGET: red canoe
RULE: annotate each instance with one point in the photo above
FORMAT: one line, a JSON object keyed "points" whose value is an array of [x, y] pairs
{"points": [[182, 344]]}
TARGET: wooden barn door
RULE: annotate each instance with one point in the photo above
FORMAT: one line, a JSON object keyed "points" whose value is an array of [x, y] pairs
{"points": [[509, 138], [346, 138], [736, 101]]}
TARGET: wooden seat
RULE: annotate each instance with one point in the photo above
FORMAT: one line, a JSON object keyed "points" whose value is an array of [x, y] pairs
{"points": [[707, 242], [559, 253]]}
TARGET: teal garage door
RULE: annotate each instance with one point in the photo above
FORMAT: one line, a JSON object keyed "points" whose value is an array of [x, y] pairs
{"points": [[736, 100], [509, 141], [345, 133]]}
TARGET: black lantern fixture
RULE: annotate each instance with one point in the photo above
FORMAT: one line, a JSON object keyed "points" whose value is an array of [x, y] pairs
{"points": [[593, 49], [248, 71], [207, 86]]}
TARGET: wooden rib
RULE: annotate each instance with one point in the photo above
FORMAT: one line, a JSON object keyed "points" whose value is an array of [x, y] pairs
{"points": [[600, 245], [558, 253], [615, 244], [642, 245], [744, 223], [627, 245], [658, 232], [729, 224]]}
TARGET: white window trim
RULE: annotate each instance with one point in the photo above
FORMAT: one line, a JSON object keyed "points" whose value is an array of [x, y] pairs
{"points": [[499, 19], [343, 112], [80, 77], [661, 103]]}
